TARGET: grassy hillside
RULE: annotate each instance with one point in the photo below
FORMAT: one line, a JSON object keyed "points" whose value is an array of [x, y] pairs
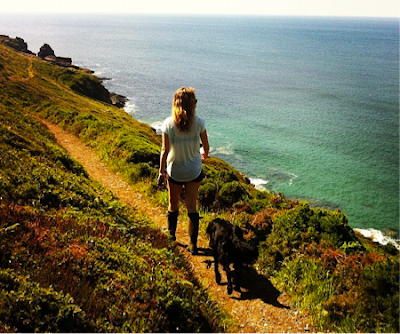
{"points": [[74, 250], [72, 258]]}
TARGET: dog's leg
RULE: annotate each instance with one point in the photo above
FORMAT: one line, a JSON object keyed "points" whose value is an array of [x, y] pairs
{"points": [[225, 261], [217, 274], [228, 276], [238, 270]]}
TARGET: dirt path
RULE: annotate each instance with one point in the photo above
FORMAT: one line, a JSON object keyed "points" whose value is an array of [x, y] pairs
{"points": [[260, 308]]}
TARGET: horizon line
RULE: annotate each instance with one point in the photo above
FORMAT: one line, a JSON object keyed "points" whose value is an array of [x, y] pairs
{"points": [[105, 13]]}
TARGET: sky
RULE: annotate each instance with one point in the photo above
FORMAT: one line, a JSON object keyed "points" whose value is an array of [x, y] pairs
{"points": [[371, 8]]}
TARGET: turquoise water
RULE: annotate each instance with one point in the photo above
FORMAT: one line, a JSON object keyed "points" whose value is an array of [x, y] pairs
{"points": [[308, 105]]}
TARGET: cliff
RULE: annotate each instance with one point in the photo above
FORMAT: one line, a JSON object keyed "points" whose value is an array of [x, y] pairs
{"points": [[16, 43], [92, 264], [81, 81]]}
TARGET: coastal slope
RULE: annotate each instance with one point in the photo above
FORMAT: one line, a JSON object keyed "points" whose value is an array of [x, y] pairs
{"points": [[103, 267]]}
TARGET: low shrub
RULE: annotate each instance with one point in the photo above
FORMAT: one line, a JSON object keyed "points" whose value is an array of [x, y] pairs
{"points": [[125, 279], [378, 306], [294, 229], [207, 195], [307, 282], [231, 193], [262, 224], [29, 308], [142, 171], [139, 156]]}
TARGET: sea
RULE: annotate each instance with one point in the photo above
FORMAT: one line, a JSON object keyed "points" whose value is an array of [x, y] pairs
{"points": [[306, 106]]}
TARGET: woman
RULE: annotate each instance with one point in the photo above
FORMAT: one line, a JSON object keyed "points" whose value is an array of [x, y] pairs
{"points": [[181, 160]]}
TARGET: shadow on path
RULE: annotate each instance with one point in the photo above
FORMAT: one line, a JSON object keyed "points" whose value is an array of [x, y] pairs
{"points": [[253, 285], [257, 286]]}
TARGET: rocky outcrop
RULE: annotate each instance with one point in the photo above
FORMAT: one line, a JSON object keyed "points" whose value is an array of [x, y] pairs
{"points": [[46, 50], [118, 100], [47, 53], [60, 61], [16, 43]]}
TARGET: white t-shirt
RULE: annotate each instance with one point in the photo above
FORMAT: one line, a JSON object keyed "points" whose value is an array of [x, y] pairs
{"points": [[184, 158]]}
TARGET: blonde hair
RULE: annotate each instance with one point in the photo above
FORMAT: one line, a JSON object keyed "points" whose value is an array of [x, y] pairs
{"points": [[184, 108]]}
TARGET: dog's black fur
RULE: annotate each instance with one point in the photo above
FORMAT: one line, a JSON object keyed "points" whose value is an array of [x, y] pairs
{"points": [[229, 246]]}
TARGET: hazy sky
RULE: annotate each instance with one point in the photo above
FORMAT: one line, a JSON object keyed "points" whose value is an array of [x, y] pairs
{"points": [[388, 8]]}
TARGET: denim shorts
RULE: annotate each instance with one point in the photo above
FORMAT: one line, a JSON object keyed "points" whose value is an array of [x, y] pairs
{"points": [[197, 179]]}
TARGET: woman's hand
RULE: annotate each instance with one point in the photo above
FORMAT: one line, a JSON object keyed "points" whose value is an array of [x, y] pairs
{"points": [[162, 177]]}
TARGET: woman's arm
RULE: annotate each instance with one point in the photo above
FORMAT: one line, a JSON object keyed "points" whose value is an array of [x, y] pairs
{"points": [[206, 145], [164, 154]]}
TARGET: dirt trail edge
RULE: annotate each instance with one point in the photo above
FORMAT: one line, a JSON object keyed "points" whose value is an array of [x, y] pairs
{"points": [[260, 308]]}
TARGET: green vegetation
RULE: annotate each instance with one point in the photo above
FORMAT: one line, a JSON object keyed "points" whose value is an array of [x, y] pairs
{"points": [[73, 258], [113, 280]]}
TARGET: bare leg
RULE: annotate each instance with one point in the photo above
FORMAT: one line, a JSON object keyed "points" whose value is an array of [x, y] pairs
{"points": [[174, 192], [191, 193]]}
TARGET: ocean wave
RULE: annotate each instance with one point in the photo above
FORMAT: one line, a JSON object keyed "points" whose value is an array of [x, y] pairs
{"points": [[157, 126], [280, 176], [292, 177], [99, 73], [130, 107], [99, 70], [260, 184], [378, 236], [223, 150]]}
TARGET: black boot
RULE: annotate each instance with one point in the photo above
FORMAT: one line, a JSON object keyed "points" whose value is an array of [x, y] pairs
{"points": [[193, 232], [172, 223]]}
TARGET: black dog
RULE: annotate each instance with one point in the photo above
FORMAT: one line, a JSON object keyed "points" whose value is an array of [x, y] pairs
{"points": [[228, 245]]}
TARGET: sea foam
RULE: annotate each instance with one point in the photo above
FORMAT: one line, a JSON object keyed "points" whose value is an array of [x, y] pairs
{"points": [[130, 107], [224, 150], [260, 184], [378, 236], [157, 126]]}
